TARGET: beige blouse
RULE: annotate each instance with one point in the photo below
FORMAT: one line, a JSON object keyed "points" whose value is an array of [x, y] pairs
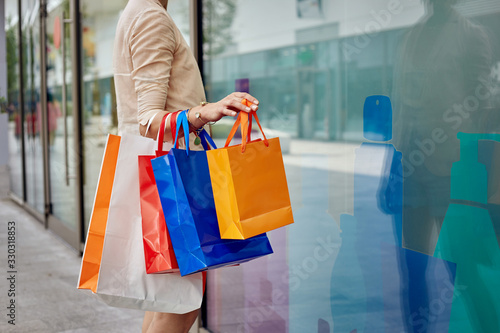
{"points": [[154, 68]]}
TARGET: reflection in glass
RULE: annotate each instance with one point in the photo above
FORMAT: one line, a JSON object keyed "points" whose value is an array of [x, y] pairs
{"points": [[32, 108], [62, 191], [99, 101], [13, 96], [466, 223], [98, 96], [315, 250], [442, 87], [444, 61], [312, 71]]}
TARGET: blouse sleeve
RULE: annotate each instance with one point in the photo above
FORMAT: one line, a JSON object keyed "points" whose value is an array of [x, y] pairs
{"points": [[152, 47]]}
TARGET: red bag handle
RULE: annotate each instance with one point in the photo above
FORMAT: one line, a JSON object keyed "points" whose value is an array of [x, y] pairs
{"points": [[245, 119], [173, 126], [161, 132]]}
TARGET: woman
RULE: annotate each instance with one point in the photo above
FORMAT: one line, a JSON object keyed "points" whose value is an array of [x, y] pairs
{"points": [[155, 73]]}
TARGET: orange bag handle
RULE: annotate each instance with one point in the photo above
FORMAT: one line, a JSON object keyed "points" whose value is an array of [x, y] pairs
{"points": [[245, 120]]}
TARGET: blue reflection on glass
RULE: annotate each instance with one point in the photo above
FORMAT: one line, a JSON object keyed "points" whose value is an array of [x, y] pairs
{"points": [[348, 292], [418, 290], [377, 118], [323, 326], [377, 285], [377, 201]]}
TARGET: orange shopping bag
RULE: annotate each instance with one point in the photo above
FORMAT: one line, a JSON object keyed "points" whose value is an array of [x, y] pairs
{"points": [[91, 262], [249, 184]]}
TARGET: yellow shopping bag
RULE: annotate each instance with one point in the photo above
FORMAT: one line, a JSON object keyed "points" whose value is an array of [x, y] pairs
{"points": [[249, 184]]}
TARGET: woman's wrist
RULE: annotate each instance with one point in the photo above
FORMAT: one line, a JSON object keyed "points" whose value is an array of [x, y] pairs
{"points": [[194, 123], [196, 118]]}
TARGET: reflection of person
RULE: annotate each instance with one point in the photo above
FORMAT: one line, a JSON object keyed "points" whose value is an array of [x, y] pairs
{"points": [[11, 109], [16, 116], [53, 112], [307, 119], [441, 89], [155, 73], [440, 70]]}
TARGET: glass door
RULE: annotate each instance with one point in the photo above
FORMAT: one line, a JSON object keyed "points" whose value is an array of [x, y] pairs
{"points": [[62, 182], [32, 107], [14, 105]]}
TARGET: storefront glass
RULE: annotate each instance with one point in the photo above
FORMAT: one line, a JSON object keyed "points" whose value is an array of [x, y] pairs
{"points": [[32, 104], [396, 223], [60, 115], [368, 98], [98, 96], [13, 96]]}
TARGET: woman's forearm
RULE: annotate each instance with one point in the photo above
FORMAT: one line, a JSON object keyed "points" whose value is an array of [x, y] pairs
{"points": [[154, 128]]}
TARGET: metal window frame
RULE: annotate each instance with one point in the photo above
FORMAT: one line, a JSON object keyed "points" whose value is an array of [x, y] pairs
{"points": [[77, 75], [196, 31]]}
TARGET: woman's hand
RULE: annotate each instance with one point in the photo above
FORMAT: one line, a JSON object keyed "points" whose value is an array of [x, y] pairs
{"points": [[228, 106], [201, 115]]}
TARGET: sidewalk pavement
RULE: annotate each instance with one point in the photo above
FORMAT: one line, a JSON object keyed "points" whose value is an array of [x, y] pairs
{"points": [[46, 298]]}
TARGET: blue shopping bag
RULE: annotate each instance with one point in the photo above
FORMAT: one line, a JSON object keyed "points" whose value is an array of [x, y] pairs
{"points": [[183, 182]]}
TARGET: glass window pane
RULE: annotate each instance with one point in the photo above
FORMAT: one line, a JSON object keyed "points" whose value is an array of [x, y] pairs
{"points": [[393, 212], [13, 95], [60, 115], [32, 107], [99, 99], [98, 96]]}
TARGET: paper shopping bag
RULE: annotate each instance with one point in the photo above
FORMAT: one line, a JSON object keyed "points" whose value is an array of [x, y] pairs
{"points": [[249, 184], [158, 251], [113, 260], [184, 185]]}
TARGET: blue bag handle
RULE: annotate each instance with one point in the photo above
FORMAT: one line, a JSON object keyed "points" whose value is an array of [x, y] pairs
{"points": [[206, 140], [182, 120], [204, 137]]}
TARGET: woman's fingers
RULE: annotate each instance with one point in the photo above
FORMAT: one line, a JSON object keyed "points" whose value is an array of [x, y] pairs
{"points": [[241, 96], [230, 113], [235, 104], [230, 106], [234, 101]]}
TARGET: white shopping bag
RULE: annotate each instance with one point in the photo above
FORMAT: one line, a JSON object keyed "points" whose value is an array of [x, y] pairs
{"points": [[113, 263]]}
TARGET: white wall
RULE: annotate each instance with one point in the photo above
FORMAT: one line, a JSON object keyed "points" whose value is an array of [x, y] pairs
{"points": [[265, 24]]}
